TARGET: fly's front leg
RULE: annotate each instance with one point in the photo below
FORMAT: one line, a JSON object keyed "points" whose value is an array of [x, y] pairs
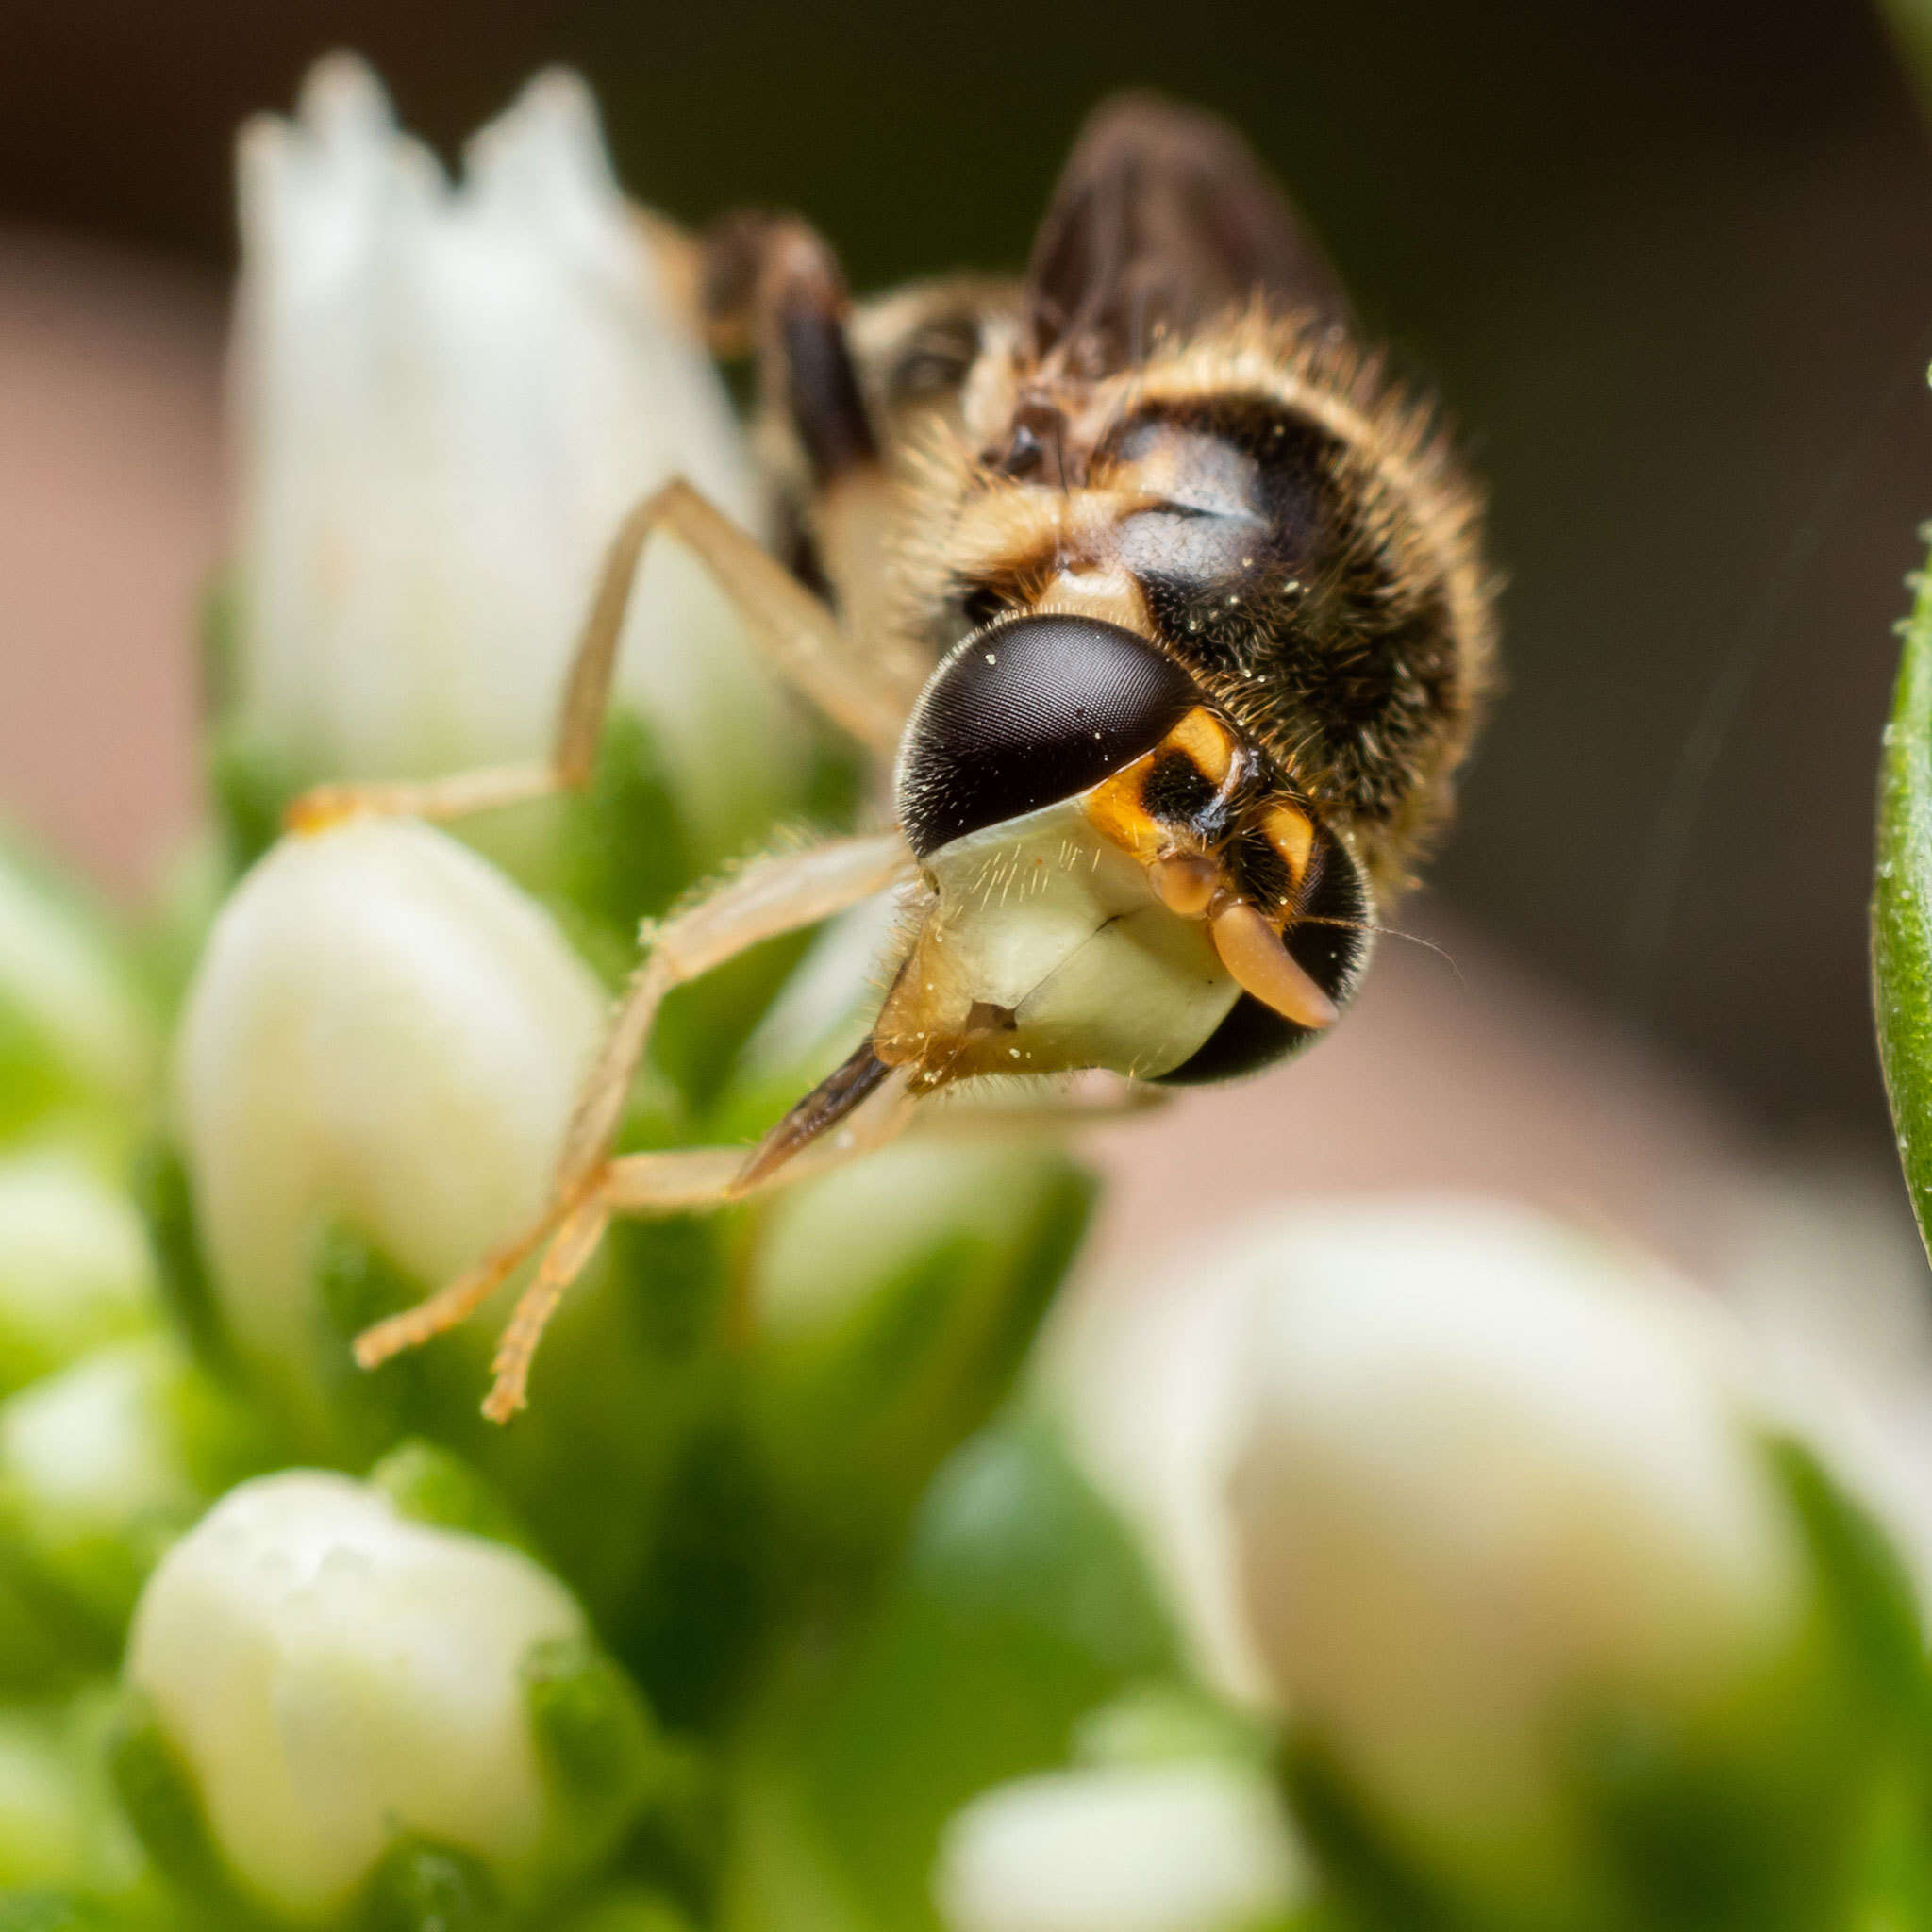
{"points": [[680, 1181], [798, 636], [773, 896]]}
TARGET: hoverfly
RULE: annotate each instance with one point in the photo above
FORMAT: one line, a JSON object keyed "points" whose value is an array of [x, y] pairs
{"points": [[1163, 606]]}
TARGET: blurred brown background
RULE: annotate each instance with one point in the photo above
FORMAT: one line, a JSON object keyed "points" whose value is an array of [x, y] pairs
{"points": [[1668, 260]]}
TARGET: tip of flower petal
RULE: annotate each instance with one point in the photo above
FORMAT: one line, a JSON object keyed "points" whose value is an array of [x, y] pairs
{"points": [[341, 99], [547, 146]]}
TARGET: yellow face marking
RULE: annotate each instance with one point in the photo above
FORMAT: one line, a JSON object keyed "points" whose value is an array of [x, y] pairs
{"points": [[1115, 809], [1291, 833], [1116, 806], [1206, 740]]}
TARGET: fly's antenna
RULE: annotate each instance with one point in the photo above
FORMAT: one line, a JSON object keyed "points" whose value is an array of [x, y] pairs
{"points": [[1389, 932]]}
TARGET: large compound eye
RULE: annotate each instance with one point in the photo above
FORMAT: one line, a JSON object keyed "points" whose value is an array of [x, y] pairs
{"points": [[1027, 713]]}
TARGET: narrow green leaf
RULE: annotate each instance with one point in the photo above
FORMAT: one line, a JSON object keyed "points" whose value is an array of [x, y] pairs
{"points": [[1902, 907], [159, 1799]]}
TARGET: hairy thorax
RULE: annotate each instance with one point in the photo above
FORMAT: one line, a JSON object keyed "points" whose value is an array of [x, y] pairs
{"points": [[1258, 501]]}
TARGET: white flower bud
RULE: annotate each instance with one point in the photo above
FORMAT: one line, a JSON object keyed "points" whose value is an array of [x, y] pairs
{"points": [[385, 1032], [102, 1464], [1145, 1378], [1182, 1847], [330, 1675], [75, 1267], [894, 1301], [448, 397], [1495, 1481]]}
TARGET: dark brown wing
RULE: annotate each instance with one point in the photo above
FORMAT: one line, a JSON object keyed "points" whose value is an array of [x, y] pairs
{"points": [[1163, 217]]}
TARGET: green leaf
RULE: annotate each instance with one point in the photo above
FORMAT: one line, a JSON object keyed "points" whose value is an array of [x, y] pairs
{"points": [[1021, 1604], [626, 1908], [590, 1724], [704, 1607], [166, 1199], [160, 1801], [423, 1887], [431, 1485], [54, 1911], [894, 1303], [1902, 907], [250, 786], [614, 1774], [1375, 1882], [623, 853], [1869, 1602]]}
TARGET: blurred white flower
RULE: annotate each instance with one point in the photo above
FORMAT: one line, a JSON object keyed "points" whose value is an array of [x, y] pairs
{"points": [[384, 1031], [75, 1267], [1196, 1847], [103, 1464], [446, 397], [1145, 1373], [331, 1675], [1494, 1476], [1823, 1264]]}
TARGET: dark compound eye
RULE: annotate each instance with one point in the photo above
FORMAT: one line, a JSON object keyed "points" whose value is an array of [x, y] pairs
{"points": [[1330, 941], [1027, 713]]}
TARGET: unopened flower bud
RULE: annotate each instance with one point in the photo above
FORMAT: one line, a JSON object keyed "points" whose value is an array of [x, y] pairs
{"points": [[894, 1301], [76, 1044], [335, 1683], [74, 1266], [383, 1033], [101, 1466], [1502, 1523], [1198, 1846]]}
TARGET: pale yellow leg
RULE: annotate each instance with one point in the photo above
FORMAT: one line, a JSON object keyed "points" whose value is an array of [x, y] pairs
{"points": [[675, 1182], [797, 634], [771, 895]]}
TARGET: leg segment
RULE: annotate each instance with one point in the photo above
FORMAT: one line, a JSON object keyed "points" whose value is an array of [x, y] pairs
{"points": [[770, 896], [671, 1183], [799, 637]]}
